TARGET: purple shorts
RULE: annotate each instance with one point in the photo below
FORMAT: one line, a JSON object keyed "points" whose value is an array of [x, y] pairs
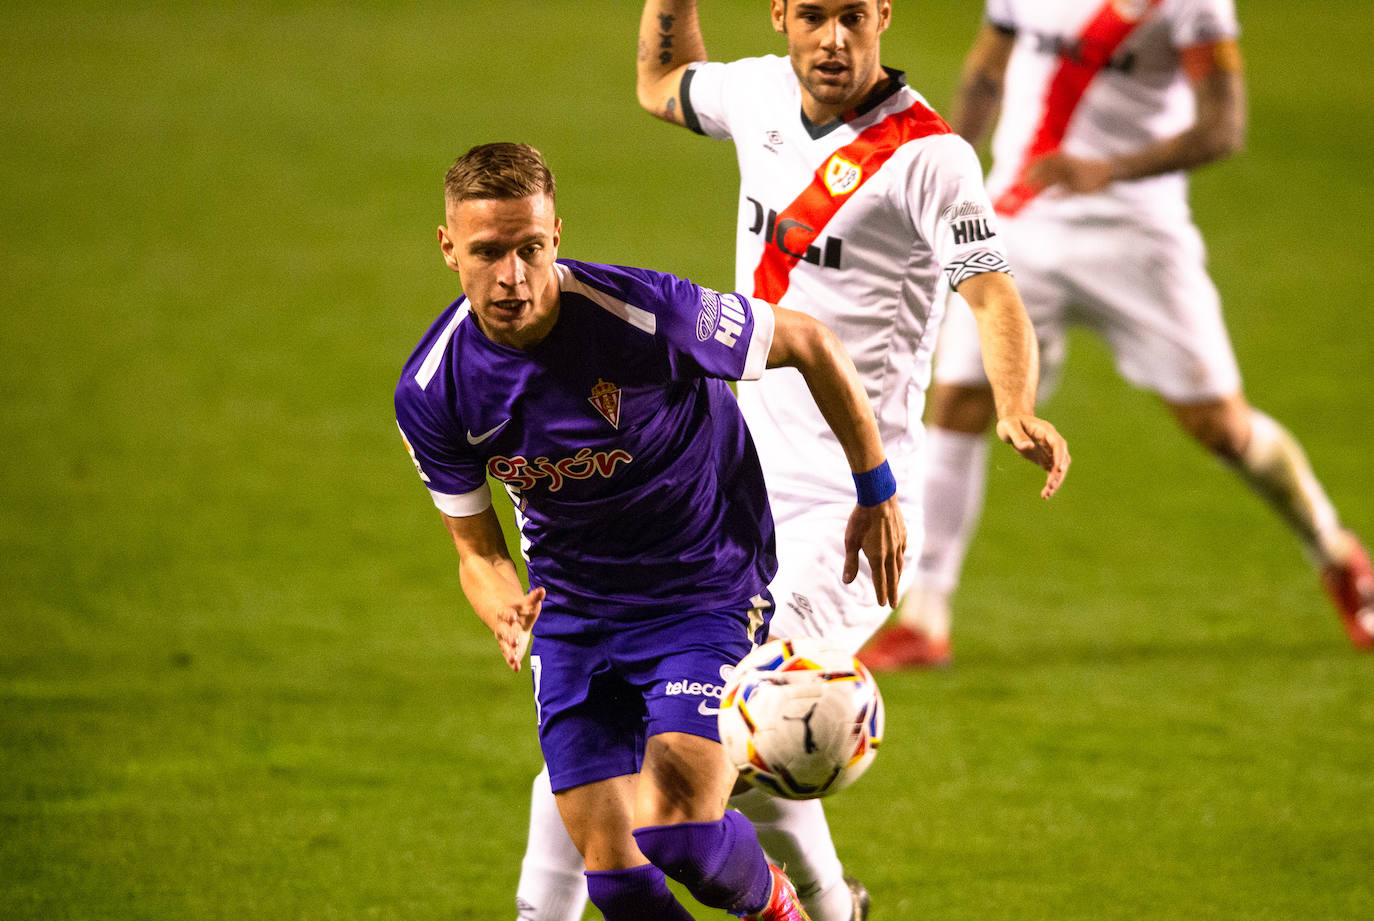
{"points": [[601, 695]]}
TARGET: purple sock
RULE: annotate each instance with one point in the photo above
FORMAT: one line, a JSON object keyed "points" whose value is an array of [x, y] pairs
{"points": [[634, 894], [720, 863]]}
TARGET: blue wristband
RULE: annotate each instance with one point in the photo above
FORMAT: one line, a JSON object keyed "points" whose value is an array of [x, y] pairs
{"points": [[876, 486]]}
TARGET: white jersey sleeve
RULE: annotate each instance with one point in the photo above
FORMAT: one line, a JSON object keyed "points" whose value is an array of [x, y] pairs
{"points": [[716, 96], [952, 210], [1201, 22], [998, 12]]}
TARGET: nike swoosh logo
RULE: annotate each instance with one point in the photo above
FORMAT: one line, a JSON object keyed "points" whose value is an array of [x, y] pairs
{"points": [[478, 439], [707, 711]]}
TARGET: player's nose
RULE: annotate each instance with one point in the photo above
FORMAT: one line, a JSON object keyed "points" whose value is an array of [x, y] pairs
{"points": [[511, 271]]}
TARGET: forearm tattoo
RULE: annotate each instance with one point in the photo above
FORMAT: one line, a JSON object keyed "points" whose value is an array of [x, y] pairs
{"points": [[665, 38]]}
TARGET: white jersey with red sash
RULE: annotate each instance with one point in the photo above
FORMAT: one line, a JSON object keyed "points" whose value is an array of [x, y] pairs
{"points": [[1097, 78], [862, 223]]}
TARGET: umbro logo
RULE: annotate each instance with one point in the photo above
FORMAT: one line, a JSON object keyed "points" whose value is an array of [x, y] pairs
{"points": [[772, 140], [478, 439]]}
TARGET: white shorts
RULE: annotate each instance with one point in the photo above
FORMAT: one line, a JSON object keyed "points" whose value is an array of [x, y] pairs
{"points": [[1143, 289], [811, 597]]}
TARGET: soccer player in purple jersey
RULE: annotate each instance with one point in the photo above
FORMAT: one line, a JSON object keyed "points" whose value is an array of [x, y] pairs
{"points": [[597, 395]]}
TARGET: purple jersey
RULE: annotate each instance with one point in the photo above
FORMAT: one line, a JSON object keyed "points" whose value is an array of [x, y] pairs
{"points": [[636, 486]]}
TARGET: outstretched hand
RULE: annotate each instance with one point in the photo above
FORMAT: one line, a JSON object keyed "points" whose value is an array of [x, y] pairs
{"points": [[513, 626], [1040, 443], [880, 532]]}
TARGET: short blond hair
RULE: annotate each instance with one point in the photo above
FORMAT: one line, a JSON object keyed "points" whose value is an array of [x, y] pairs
{"points": [[499, 170]]}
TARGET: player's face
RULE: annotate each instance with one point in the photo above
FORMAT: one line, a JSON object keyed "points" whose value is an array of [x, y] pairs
{"points": [[503, 250], [833, 45]]}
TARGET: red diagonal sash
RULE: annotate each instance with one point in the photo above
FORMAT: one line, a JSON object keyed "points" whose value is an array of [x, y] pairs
{"points": [[1096, 45], [801, 223]]}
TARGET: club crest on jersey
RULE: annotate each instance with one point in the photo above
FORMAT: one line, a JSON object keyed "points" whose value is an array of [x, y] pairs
{"points": [[841, 177], [605, 399]]}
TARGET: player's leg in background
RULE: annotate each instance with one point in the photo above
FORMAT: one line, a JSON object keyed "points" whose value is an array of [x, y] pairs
{"points": [[552, 886], [796, 835], [1273, 464], [1161, 315], [812, 600]]}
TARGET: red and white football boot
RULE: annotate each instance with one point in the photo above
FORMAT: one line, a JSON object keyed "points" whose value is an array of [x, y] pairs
{"points": [[898, 647], [783, 904], [1351, 587]]}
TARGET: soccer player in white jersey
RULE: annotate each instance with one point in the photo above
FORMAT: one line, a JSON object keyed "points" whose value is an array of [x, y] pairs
{"points": [[1105, 107], [858, 205]]}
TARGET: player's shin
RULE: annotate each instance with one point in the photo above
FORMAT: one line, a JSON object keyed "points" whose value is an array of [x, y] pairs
{"points": [[551, 887], [956, 475], [634, 895], [720, 862], [1274, 466]]}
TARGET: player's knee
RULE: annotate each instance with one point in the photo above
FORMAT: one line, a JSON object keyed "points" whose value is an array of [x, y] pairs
{"points": [[1222, 427], [962, 408]]}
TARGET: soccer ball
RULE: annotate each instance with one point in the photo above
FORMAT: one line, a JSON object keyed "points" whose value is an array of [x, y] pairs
{"points": [[801, 718]]}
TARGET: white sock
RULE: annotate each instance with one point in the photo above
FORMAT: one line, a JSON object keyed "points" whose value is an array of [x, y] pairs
{"points": [[551, 887], [795, 835], [955, 478], [1275, 467]]}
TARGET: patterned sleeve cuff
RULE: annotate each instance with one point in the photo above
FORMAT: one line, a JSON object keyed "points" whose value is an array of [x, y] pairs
{"points": [[968, 265]]}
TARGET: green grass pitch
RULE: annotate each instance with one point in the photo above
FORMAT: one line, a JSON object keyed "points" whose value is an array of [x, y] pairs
{"points": [[237, 679]]}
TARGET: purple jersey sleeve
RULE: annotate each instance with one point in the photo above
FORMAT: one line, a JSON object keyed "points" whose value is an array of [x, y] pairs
{"points": [[432, 431]]}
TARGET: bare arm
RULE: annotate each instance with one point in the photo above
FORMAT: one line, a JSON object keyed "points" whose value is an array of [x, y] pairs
{"points": [[803, 342], [1217, 132], [979, 96], [492, 584], [1012, 362], [669, 40]]}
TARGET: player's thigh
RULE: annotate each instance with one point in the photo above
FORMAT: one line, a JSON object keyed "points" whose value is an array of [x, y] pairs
{"points": [[599, 817], [686, 778], [811, 597], [1160, 313]]}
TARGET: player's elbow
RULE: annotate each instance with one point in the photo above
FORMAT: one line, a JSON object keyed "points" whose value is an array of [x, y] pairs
{"points": [[654, 97], [801, 341], [644, 93]]}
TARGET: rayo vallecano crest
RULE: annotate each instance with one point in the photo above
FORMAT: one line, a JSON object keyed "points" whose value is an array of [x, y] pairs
{"points": [[841, 177], [606, 398]]}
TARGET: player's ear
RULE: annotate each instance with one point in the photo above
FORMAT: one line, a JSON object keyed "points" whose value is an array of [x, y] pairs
{"points": [[884, 15], [778, 10], [557, 234], [446, 247]]}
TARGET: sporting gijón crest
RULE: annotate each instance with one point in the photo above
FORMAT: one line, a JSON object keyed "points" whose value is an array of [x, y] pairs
{"points": [[606, 398]]}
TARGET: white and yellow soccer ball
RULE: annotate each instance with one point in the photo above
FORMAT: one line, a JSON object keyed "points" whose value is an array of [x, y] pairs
{"points": [[801, 718]]}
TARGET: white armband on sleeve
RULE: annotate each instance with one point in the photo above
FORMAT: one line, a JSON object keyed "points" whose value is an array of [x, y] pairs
{"points": [[466, 505], [761, 342]]}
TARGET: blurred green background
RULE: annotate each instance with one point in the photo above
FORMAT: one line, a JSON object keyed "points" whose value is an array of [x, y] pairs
{"points": [[237, 678]]}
